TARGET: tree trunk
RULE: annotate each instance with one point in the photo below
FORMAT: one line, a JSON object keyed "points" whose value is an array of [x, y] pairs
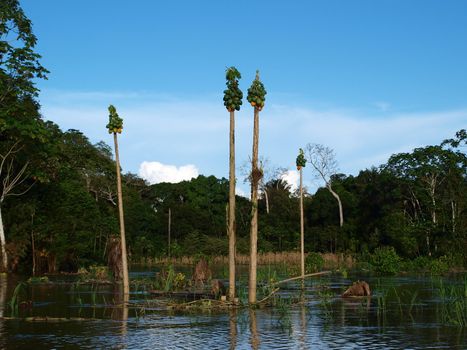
{"points": [[232, 225], [255, 178], [126, 284], [341, 211], [4, 266], [302, 231], [266, 198], [169, 232], [453, 216], [33, 246]]}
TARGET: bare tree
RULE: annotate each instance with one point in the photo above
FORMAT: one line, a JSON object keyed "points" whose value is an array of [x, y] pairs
{"points": [[324, 163], [11, 178]]}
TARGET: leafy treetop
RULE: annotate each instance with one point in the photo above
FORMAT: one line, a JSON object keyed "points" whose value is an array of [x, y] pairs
{"points": [[232, 95], [19, 66], [257, 93], [115, 122], [301, 160]]}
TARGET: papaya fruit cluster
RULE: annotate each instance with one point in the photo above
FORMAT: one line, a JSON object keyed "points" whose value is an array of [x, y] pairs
{"points": [[301, 160], [257, 93], [232, 95], [115, 122]]}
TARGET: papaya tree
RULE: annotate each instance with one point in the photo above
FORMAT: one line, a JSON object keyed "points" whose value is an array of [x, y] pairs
{"points": [[232, 101], [301, 163], [115, 126], [256, 97]]}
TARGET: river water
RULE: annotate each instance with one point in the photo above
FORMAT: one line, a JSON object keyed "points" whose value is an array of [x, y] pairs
{"points": [[404, 312]]}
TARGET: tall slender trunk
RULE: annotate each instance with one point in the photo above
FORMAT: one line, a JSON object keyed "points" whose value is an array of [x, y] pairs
{"points": [[126, 284], [453, 216], [341, 211], [232, 225], [255, 178], [4, 266], [169, 233], [266, 197], [33, 246], [302, 231]]}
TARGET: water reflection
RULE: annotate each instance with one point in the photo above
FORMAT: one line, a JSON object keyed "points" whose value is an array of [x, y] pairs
{"points": [[303, 311], [254, 336], [3, 291], [233, 320]]}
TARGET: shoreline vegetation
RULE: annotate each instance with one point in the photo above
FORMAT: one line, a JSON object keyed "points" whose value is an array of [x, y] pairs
{"points": [[330, 260]]}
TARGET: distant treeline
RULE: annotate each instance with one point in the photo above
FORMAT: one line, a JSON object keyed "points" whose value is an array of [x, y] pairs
{"points": [[416, 202]]}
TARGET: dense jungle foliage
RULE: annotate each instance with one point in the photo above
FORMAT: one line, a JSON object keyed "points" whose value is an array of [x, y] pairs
{"points": [[58, 192]]}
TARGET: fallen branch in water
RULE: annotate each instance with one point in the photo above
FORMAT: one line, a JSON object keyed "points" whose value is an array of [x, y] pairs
{"points": [[270, 295], [204, 304], [300, 277]]}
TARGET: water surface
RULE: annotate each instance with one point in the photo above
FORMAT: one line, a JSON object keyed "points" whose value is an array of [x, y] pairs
{"points": [[408, 312]]}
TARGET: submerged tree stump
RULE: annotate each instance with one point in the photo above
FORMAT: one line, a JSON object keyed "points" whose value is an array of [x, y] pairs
{"points": [[202, 273], [357, 289]]}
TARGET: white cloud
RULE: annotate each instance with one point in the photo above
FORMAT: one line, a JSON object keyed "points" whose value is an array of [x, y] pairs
{"points": [[194, 130], [292, 177], [155, 172], [240, 192]]}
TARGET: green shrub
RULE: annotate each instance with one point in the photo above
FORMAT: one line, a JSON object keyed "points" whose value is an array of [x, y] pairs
{"points": [[385, 260], [421, 263], [314, 262], [439, 266]]}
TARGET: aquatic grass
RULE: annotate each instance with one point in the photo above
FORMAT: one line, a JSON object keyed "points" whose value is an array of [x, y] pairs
{"points": [[412, 303], [399, 301], [20, 290], [452, 306], [325, 295]]}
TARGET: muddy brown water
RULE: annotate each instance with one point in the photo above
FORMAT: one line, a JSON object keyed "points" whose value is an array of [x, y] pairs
{"points": [[404, 312]]}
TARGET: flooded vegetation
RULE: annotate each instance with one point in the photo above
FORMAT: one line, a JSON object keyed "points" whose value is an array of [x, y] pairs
{"points": [[410, 311]]}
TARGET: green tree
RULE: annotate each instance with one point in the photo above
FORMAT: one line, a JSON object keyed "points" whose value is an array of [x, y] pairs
{"points": [[426, 174], [19, 116]]}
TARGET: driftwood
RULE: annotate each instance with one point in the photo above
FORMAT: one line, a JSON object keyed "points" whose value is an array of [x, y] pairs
{"points": [[114, 257], [267, 297], [193, 295], [305, 276]]}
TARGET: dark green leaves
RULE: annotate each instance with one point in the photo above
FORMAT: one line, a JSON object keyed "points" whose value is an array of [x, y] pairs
{"points": [[115, 122], [257, 93], [301, 160], [232, 95]]}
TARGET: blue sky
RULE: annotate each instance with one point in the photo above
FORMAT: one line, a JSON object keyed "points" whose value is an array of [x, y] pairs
{"points": [[366, 78]]}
